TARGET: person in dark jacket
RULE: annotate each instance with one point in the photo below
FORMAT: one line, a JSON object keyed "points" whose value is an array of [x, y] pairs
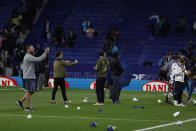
{"points": [[47, 75], [101, 67], [59, 36], [39, 66], [117, 70], [109, 81], [41, 78], [72, 38], [164, 27], [15, 71], [40, 50]]}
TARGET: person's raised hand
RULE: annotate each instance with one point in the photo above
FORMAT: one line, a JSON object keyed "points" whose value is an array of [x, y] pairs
{"points": [[47, 50], [76, 61]]}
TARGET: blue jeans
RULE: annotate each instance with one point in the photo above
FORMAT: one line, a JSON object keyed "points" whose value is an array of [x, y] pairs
{"points": [[116, 88], [30, 85], [193, 85], [36, 79]]}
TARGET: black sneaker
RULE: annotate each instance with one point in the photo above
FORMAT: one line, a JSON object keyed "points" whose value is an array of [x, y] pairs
{"points": [[19, 104], [29, 109], [117, 102]]}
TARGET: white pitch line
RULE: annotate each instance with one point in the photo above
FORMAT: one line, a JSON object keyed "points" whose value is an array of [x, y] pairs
{"points": [[164, 125], [9, 89], [81, 117]]}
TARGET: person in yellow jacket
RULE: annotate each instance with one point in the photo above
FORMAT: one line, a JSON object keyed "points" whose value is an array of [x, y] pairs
{"points": [[59, 76]]}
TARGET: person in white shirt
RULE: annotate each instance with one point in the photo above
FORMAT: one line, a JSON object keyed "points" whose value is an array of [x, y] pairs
{"points": [[177, 78], [194, 27], [168, 68], [154, 17], [85, 25], [46, 32]]}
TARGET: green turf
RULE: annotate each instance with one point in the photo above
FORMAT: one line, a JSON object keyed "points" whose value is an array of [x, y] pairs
{"points": [[124, 116]]}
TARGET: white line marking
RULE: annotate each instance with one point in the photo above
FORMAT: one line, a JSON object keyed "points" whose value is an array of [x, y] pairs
{"points": [[164, 125], [81, 117], [9, 89]]}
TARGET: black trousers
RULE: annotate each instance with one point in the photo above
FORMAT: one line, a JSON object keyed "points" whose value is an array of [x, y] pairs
{"points": [[116, 88], [178, 90], [186, 85], [59, 82], [100, 84]]}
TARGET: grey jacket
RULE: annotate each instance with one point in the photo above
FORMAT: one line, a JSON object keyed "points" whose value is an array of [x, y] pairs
{"points": [[28, 65]]}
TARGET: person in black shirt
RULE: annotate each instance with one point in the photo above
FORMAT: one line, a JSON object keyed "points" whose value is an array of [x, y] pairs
{"points": [[41, 78], [15, 71], [72, 36], [40, 50], [59, 36], [117, 70], [47, 75]]}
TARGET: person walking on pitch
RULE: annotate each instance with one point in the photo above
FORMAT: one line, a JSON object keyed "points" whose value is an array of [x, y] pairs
{"points": [[29, 76]]}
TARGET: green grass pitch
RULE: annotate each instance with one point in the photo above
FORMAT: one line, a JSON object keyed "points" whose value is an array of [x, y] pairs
{"points": [[56, 117]]}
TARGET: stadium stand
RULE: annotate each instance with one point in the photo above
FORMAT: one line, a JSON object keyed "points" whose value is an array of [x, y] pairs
{"points": [[131, 16]]}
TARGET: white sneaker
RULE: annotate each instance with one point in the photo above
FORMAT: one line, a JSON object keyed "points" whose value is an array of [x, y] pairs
{"points": [[182, 105], [67, 102], [175, 103], [194, 101], [98, 104], [134, 99]]}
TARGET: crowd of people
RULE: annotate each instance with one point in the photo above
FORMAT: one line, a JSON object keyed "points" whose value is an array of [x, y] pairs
{"points": [[178, 70], [103, 67], [160, 26], [12, 50], [186, 54], [60, 40]]}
